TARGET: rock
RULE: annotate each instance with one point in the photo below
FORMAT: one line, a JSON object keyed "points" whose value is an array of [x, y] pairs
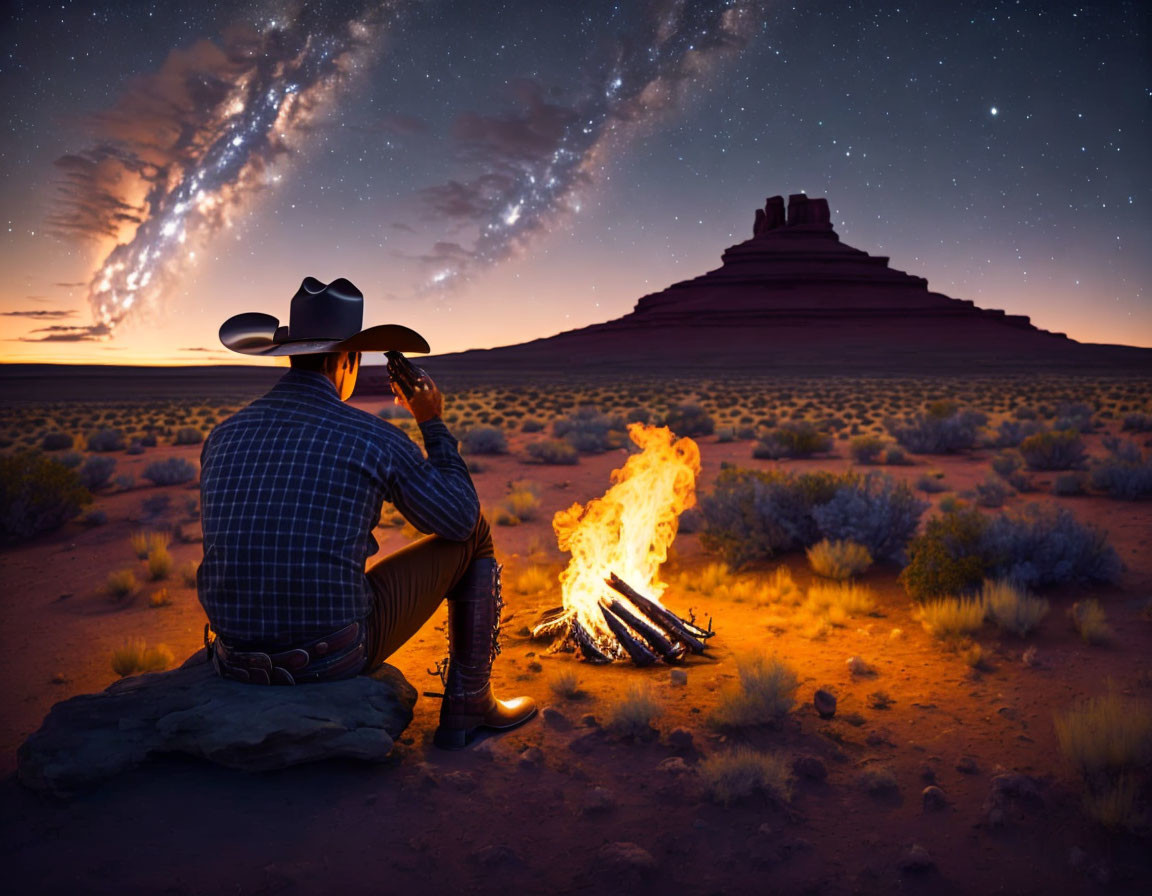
{"points": [[674, 765], [810, 768], [680, 740], [589, 721], [624, 856], [933, 798], [968, 766], [678, 676], [916, 859], [825, 703], [465, 782], [531, 758], [534, 666], [598, 801], [927, 773], [858, 667], [1013, 785], [555, 719], [191, 710], [586, 743]]}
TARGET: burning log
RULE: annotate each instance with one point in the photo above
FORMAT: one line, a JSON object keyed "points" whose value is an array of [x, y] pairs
{"points": [[587, 645], [650, 633], [692, 635], [640, 654]]}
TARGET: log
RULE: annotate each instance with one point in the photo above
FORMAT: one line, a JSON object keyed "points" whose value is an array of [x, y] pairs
{"points": [[587, 646], [640, 654], [666, 618], [649, 632], [689, 624]]}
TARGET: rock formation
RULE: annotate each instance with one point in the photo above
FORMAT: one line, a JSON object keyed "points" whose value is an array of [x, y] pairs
{"points": [[190, 710]]}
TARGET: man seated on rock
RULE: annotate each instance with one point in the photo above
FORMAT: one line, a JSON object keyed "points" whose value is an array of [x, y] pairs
{"points": [[291, 489]]}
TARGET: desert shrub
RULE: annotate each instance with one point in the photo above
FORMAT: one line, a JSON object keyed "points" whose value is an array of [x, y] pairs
{"points": [[120, 583], [1115, 803], [1069, 484], [159, 598], [553, 451], [148, 440], [96, 471], [37, 494], [532, 425], [878, 780], [931, 483], [866, 449], [992, 491], [154, 505], [765, 694], [725, 434], [159, 563], [942, 429], [125, 482], [565, 685], [1010, 608], [689, 420], [951, 617], [1055, 450], [532, 580], [1075, 416], [712, 577], [796, 438], [1035, 546], [738, 774], [188, 435], [1138, 422], [877, 512], [171, 471], [95, 518], [135, 656], [70, 459], [1126, 472], [1090, 621], [143, 542], [1011, 433], [485, 440], [106, 440], [56, 441], [632, 715], [589, 431], [690, 521], [838, 559], [895, 457], [522, 500], [1006, 463], [1040, 545]]}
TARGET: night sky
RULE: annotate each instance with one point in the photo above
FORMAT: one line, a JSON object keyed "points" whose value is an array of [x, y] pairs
{"points": [[492, 172]]}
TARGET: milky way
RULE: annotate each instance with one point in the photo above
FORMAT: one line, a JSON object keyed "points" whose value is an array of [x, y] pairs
{"points": [[225, 113], [528, 185]]}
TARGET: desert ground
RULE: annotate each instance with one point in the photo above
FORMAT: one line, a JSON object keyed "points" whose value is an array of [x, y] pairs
{"points": [[621, 785]]}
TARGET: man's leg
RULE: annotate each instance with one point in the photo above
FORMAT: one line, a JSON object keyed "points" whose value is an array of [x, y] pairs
{"points": [[411, 583]]}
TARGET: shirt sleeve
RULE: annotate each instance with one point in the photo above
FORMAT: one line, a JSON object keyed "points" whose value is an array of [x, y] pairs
{"points": [[436, 494]]}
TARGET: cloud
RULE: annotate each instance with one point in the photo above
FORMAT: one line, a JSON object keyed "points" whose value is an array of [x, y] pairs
{"points": [[78, 283], [60, 333], [39, 313]]}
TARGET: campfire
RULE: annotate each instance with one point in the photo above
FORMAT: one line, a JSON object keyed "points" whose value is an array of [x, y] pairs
{"points": [[611, 588]]}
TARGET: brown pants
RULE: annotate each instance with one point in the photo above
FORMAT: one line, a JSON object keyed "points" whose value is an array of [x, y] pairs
{"points": [[410, 584]]}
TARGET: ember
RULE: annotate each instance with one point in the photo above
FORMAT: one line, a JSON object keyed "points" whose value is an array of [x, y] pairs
{"points": [[619, 541]]}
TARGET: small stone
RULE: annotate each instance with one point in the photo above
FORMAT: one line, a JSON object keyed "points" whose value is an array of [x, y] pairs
{"points": [[857, 666], [927, 773], [896, 634], [680, 740], [589, 721], [674, 765], [59, 678], [1030, 657], [933, 798], [531, 758], [916, 859], [599, 800], [555, 719], [1013, 785], [809, 767], [535, 667], [825, 703], [626, 856], [968, 766], [678, 677], [524, 631]]}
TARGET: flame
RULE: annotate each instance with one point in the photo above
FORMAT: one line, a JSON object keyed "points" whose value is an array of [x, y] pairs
{"points": [[629, 529]]}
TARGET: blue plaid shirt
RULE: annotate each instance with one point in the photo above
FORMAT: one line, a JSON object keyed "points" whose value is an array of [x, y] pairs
{"points": [[291, 489]]}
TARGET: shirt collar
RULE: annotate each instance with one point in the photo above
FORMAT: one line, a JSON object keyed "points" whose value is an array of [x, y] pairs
{"points": [[312, 380]]}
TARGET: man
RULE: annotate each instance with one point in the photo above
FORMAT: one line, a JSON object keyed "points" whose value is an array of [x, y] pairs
{"points": [[291, 489]]}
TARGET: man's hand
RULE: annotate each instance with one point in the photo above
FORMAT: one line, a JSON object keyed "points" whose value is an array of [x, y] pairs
{"points": [[426, 401]]}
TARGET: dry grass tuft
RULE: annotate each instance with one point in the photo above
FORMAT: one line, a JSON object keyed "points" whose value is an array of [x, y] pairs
{"points": [[738, 774], [838, 560], [144, 542], [835, 602], [533, 579], [766, 693], [159, 598], [565, 684], [1011, 608], [159, 563], [633, 715], [951, 617], [136, 657], [1089, 619], [120, 583]]}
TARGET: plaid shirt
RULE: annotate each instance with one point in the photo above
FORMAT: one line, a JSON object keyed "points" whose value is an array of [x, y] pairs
{"points": [[291, 489]]}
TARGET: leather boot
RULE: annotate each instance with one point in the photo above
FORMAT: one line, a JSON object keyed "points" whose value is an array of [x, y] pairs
{"points": [[474, 607]]}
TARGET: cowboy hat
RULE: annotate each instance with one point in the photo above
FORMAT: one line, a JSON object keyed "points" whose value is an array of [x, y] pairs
{"points": [[324, 317]]}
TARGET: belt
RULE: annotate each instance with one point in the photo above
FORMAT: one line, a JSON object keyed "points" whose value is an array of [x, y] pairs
{"points": [[331, 657]]}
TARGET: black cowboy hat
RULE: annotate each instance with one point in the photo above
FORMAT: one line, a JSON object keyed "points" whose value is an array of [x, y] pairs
{"points": [[324, 317]]}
